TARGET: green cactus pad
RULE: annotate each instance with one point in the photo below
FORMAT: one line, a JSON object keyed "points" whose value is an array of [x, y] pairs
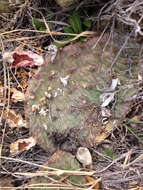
{"points": [[60, 113], [63, 161]]}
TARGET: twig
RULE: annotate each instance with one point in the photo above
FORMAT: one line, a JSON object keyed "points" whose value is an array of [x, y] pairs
{"points": [[119, 52], [101, 36], [113, 162]]}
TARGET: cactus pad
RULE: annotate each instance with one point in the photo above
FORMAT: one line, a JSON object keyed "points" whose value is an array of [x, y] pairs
{"points": [[63, 104]]}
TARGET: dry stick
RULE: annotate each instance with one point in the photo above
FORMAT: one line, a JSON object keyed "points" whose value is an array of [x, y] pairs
{"points": [[46, 187], [94, 183], [27, 162], [85, 34], [8, 94], [101, 36], [54, 172], [119, 52], [50, 184], [127, 158], [107, 42], [55, 22], [7, 108], [137, 28], [38, 31], [5, 89], [19, 12], [134, 5], [45, 22], [113, 162], [5, 83], [24, 38], [139, 158], [102, 155], [59, 172], [16, 80], [131, 22], [108, 8], [99, 15], [109, 38], [4, 18]]}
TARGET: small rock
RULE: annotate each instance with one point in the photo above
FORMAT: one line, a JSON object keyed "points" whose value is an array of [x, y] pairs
{"points": [[83, 155]]}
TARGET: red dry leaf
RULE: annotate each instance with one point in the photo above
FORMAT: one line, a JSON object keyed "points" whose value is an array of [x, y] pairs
{"points": [[21, 145], [13, 119], [23, 58]]}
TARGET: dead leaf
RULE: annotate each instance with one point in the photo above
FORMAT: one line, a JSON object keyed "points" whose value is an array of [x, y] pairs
{"points": [[13, 119], [135, 118], [140, 76], [94, 181], [107, 131], [21, 145], [17, 96], [107, 98], [115, 83], [64, 80], [1, 95], [106, 112], [52, 50], [108, 95], [23, 77]]}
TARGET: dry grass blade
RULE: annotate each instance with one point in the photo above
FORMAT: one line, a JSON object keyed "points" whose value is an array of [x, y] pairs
{"points": [[83, 34], [54, 172], [77, 36], [138, 159], [126, 159], [6, 84]]}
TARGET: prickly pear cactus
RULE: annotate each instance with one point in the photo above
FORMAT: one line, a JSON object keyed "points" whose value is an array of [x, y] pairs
{"points": [[63, 104], [63, 161]]}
